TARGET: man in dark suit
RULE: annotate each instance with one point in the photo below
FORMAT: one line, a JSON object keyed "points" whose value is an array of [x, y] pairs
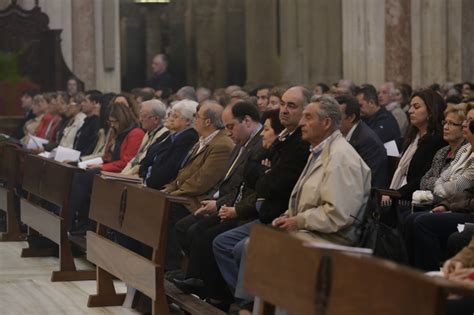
{"points": [[164, 158], [217, 214], [161, 79], [380, 120], [364, 140]]}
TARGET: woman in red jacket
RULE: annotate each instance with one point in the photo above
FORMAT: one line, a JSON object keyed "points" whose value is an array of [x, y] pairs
{"points": [[128, 139], [125, 146]]}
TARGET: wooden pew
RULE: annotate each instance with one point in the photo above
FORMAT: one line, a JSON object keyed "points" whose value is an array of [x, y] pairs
{"points": [[50, 181], [302, 280], [142, 214], [10, 165]]}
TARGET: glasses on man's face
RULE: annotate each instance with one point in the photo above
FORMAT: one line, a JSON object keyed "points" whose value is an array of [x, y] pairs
{"points": [[467, 121], [451, 123], [112, 121]]}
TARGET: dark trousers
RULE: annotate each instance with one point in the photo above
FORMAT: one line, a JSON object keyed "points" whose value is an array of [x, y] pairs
{"points": [[80, 199], [196, 235], [457, 241], [427, 233], [173, 249]]}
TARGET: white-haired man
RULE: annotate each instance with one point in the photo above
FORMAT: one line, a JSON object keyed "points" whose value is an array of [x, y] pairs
{"points": [[152, 115]]}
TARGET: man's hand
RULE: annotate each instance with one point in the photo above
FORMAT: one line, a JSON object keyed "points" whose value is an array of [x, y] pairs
{"points": [[451, 266], [207, 207], [439, 209], [386, 201], [227, 213], [286, 223], [166, 190], [463, 277]]}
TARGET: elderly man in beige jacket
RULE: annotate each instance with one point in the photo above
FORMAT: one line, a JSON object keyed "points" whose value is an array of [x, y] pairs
{"points": [[334, 186]]}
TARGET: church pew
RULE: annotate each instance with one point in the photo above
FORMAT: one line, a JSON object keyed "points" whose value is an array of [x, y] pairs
{"points": [[142, 214], [10, 166], [50, 181], [285, 273]]}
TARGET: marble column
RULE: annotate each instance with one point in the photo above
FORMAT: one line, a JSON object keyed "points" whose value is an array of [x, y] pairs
{"points": [[83, 42], [397, 41], [106, 59], [261, 32], [363, 41]]}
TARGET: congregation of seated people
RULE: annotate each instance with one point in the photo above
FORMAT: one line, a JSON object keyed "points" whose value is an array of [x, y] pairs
{"points": [[297, 159]]}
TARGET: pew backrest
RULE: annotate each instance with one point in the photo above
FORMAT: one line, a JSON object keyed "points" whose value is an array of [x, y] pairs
{"points": [[283, 272], [48, 179]]}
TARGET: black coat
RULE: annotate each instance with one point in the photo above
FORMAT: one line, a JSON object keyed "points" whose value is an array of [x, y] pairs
{"points": [[372, 151], [288, 159], [167, 157], [421, 163]]}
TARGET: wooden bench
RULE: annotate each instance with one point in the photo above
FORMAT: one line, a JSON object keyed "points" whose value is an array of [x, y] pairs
{"points": [[10, 166], [50, 181], [142, 214], [302, 280]]}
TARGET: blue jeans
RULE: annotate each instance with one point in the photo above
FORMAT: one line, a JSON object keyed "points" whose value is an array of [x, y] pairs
{"points": [[228, 249]]}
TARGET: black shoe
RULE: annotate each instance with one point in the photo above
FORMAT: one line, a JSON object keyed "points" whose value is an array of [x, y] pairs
{"points": [[174, 274], [190, 285]]}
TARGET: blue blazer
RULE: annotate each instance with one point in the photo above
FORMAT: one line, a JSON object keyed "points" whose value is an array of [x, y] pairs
{"points": [[166, 158]]}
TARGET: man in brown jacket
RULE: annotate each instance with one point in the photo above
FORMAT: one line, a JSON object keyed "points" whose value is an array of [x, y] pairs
{"points": [[202, 169]]}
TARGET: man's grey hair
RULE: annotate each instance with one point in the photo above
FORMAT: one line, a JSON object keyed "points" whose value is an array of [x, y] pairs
{"points": [[186, 108], [214, 113], [156, 107], [187, 93], [328, 108]]}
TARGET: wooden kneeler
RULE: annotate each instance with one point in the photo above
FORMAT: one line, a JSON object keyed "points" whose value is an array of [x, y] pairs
{"points": [[50, 181], [142, 214], [10, 166], [303, 280]]}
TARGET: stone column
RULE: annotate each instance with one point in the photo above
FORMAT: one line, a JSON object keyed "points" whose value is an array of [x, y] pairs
{"points": [[83, 42], [235, 42], [429, 42], [363, 41], [311, 41], [261, 42], [467, 65], [397, 41], [153, 39]]}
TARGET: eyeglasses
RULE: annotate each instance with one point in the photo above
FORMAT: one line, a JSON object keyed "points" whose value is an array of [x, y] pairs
{"points": [[451, 123], [467, 121]]}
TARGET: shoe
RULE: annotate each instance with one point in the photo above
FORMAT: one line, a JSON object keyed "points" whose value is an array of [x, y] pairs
{"points": [[174, 274], [190, 285]]}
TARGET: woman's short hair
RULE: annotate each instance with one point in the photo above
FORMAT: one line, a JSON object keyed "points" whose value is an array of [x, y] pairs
{"points": [[458, 109], [274, 117], [186, 108]]}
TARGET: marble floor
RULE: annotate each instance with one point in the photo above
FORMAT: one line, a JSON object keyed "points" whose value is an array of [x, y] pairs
{"points": [[25, 287]]}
